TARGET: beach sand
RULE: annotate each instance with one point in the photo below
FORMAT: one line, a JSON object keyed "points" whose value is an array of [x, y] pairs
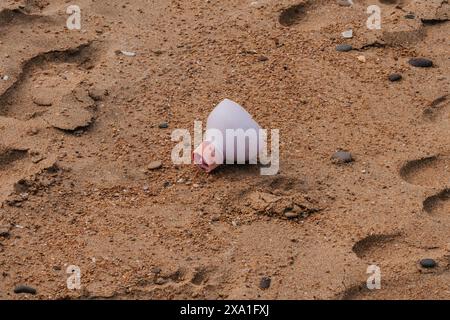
{"points": [[85, 116]]}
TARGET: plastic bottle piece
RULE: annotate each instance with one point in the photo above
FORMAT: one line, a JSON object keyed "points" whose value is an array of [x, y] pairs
{"points": [[228, 126]]}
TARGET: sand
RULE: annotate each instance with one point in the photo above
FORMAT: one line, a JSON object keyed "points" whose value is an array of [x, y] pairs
{"points": [[80, 116]]}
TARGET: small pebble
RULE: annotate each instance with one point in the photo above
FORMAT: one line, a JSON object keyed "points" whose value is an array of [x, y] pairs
{"points": [[154, 165], [344, 48], [128, 53], [410, 16], [215, 217], [345, 3], [156, 270], [361, 58], [348, 34], [263, 58], [342, 157], [421, 62], [428, 263], [265, 282], [291, 214], [163, 125], [24, 289], [395, 77]]}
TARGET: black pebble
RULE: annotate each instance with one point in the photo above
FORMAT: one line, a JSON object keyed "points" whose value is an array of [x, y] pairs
{"points": [[421, 62], [428, 263], [344, 47], [342, 157], [24, 289], [410, 16], [395, 77], [163, 125], [265, 282]]}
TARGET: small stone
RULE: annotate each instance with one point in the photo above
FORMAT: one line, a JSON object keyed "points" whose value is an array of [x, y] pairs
{"points": [[342, 157], [33, 131], [163, 125], [348, 34], [421, 62], [345, 3], [361, 58], [265, 282], [291, 214], [395, 77], [263, 58], [344, 48], [410, 16], [154, 165], [428, 263], [215, 217], [37, 158], [156, 270], [24, 289], [128, 53]]}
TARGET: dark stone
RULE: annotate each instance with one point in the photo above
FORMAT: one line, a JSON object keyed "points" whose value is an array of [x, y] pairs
{"points": [[410, 16], [342, 157], [421, 62], [265, 282], [24, 289], [344, 48], [428, 263], [163, 125], [395, 77]]}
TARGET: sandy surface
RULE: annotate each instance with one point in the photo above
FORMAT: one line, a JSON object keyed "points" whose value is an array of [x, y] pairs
{"points": [[79, 126]]}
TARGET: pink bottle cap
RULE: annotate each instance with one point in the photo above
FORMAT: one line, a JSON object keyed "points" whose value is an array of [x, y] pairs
{"points": [[206, 156]]}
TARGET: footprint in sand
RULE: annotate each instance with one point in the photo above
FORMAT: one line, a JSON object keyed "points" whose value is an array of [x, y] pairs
{"points": [[377, 248], [50, 88], [437, 109], [293, 14], [13, 162], [438, 206], [428, 172]]}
